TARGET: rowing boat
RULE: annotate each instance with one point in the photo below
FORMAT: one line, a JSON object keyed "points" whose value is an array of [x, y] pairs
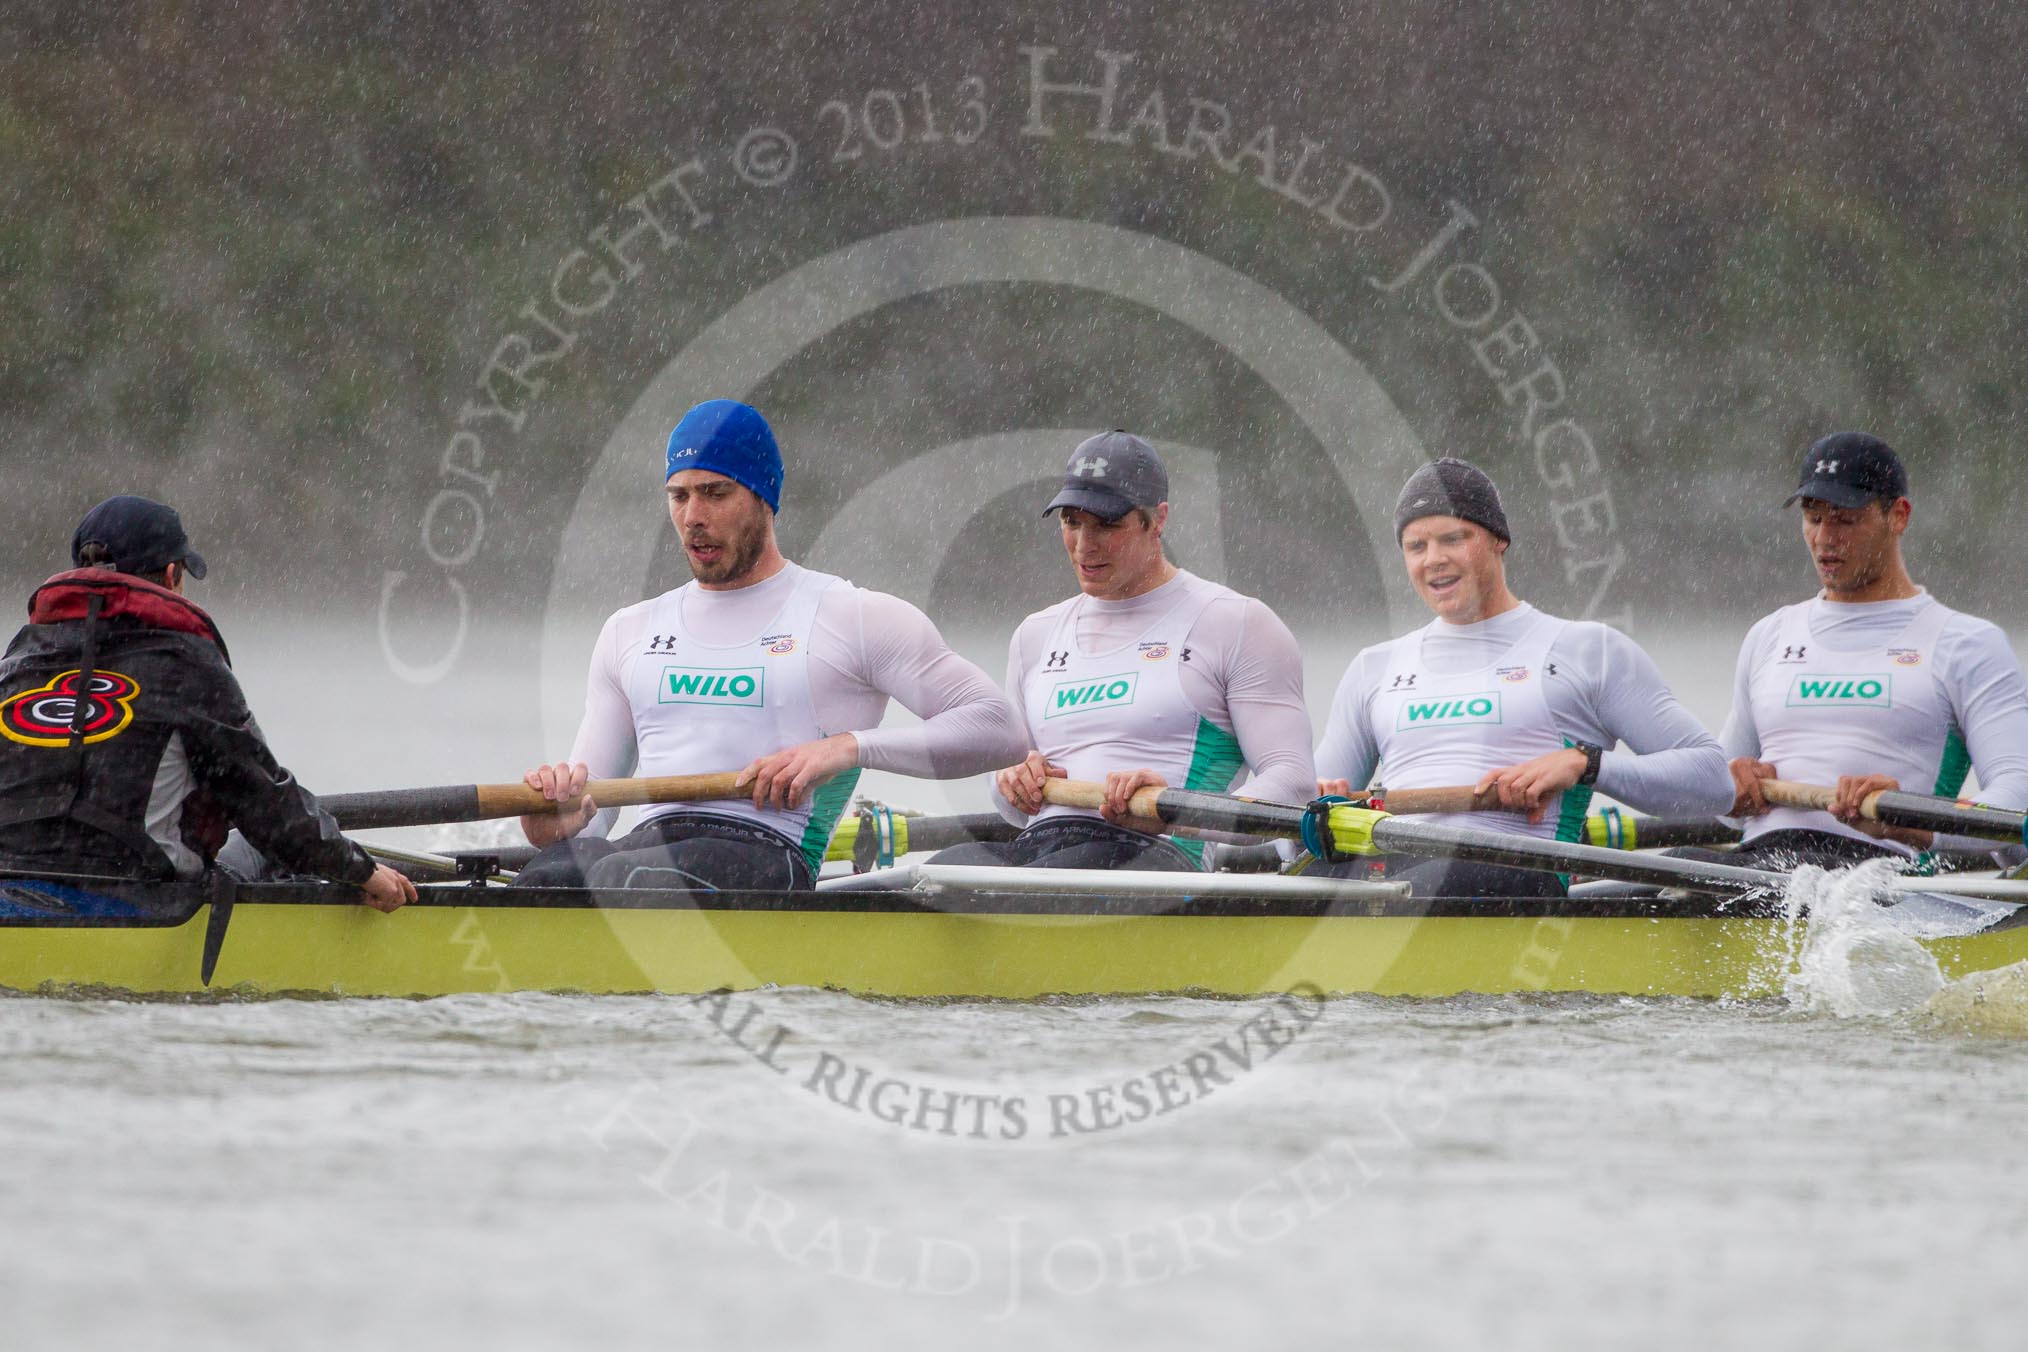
{"points": [[297, 938]]}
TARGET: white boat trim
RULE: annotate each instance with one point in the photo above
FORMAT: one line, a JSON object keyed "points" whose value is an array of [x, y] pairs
{"points": [[1147, 882]]}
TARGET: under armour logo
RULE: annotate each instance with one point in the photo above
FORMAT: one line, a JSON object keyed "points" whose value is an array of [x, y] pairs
{"points": [[1800, 654], [1550, 670], [1092, 465], [1827, 467], [1404, 682], [1186, 655], [662, 643], [1057, 661]]}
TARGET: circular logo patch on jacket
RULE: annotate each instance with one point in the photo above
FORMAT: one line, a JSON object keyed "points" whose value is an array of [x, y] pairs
{"points": [[45, 715]]}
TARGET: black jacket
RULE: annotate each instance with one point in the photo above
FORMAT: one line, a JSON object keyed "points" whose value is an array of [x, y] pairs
{"points": [[76, 785]]}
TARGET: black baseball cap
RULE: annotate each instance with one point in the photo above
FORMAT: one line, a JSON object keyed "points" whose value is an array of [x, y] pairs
{"points": [[142, 535], [1110, 475], [1850, 469]]}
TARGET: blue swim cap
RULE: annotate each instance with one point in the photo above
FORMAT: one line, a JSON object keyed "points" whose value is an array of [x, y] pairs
{"points": [[732, 439]]}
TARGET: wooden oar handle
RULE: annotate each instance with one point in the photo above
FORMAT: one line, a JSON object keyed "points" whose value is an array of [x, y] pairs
{"points": [[1085, 794], [1787, 793], [1421, 802], [515, 800]]}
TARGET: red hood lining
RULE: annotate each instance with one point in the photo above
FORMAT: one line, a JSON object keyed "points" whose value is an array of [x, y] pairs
{"points": [[67, 596]]}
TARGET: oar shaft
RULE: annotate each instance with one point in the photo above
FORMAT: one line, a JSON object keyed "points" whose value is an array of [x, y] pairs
{"points": [[917, 834], [1911, 811], [1474, 845], [483, 802], [1639, 833], [1629, 832], [1215, 812], [1397, 835], [405, 807]]}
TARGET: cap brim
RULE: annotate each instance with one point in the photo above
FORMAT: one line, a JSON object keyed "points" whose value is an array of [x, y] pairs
{"points": [[1097, 501], [193, 563], [1833, 492]]}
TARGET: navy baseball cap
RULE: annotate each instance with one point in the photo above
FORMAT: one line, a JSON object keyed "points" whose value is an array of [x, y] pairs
{"points": [[143, 536], [729, 438], [1850, 469], [1110, 475]]}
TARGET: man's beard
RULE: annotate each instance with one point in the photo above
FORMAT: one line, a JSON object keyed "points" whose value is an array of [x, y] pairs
{"points": [[1858, 578], [742, 550]]}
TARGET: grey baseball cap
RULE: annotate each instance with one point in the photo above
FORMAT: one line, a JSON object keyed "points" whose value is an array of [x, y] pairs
{"points": [[1110, 475]]}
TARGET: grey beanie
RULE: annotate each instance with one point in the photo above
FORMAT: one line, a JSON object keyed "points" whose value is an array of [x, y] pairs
{"points": [[1450, 487]]}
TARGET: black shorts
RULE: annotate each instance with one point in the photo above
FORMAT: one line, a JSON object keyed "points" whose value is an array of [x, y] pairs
{"points": [[681, 849], [1073, 842]]}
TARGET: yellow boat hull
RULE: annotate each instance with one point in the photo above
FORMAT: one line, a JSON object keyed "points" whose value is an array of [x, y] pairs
{"points": [[445, 949]]}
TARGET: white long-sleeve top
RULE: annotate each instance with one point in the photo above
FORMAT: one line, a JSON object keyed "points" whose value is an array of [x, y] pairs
{"points": [[1244, 676], [1601, 688], [1974, 668], [867, 647]]}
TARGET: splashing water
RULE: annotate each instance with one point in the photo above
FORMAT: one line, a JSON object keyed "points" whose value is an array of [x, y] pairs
{"points": [[1852, 959], [1984, 1004]]}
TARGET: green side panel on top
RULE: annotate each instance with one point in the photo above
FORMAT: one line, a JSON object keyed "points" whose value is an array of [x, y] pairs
{"points": [[1956, 767], [1215, 765], [826, 806]]}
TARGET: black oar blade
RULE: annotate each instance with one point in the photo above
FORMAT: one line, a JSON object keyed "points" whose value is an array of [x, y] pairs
{"points": [[214, 933]]}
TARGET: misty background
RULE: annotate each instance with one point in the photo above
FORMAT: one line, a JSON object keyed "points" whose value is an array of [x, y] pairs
{"points": [[256, 258]]}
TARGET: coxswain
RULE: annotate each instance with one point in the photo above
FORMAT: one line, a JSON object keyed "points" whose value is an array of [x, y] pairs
{"points": [[1870, 684], [758, 663], [127, 750], [1149, 677], [1495, 694]]}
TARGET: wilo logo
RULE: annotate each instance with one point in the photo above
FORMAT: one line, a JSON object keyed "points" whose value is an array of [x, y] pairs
{"points": [[1449, 711], [713, 685], [1843, 692], [1076, 697]]}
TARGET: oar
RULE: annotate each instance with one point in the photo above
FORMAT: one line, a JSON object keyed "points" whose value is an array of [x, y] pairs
{"points": [[1616, 830], [875, 833], [216, 922], [1612, 828], [1353, 830], [482, 802], [1428, 802], [1609, 830], [1912, 811]]}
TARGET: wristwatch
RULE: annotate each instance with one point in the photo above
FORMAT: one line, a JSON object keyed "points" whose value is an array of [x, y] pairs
{"points": [[1592, 757]]}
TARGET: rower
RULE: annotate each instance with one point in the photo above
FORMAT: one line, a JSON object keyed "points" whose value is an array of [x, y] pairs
{"points": [[1494, 693], [1871, 684], [1150, 676], [126, 746], [756, 662]]}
